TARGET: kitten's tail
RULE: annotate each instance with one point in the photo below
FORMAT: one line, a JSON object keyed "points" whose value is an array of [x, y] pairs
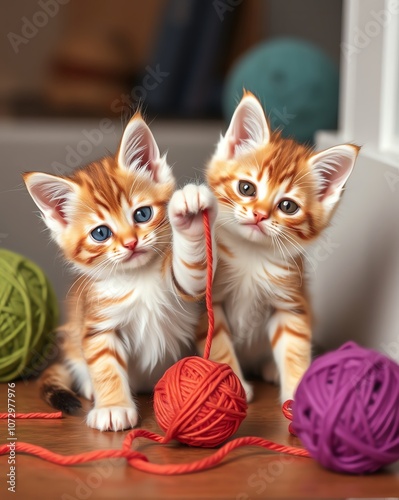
{"points": [[56, 389]]}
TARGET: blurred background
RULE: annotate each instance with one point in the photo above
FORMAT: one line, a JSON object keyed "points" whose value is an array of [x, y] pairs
{"points": [[72, 72], [97, 58]]}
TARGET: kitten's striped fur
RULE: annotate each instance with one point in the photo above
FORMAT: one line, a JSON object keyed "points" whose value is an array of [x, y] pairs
{"points": [[263, 315], [136, 301]]}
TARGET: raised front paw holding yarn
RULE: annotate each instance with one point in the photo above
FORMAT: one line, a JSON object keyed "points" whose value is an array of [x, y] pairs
{"points": [[186, 207]]}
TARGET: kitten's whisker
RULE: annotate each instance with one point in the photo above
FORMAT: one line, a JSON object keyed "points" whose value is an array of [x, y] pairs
{"points": [[90, 279], [85, 278], [294, 261], [287, 232], [225, 223], [300, 249], [293, 241], [281, 251], [280, 242]]}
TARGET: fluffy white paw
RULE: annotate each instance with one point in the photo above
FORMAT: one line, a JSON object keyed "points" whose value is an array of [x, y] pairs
{"points": [[249, 390], [112, 418], [186, 207]]}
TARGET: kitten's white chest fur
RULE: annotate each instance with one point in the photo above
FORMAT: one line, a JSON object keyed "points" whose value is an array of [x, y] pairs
{"points": [[155, 325], [248, 297]]}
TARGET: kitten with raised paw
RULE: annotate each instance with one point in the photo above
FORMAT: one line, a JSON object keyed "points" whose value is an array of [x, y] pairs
{"points": [[139, 250], [275, 196]]}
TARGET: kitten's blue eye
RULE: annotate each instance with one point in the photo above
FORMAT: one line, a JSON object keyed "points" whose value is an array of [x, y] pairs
{"points": [[101, 233], [142, 214]]}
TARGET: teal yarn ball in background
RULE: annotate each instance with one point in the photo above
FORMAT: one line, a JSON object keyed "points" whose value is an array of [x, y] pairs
{"points": [[296, 82], [28, 315]]}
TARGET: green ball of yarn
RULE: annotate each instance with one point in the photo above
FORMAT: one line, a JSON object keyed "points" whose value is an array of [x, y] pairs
{"points": [[28, 315]]}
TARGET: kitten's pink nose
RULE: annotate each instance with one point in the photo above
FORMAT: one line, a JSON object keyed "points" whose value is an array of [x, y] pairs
{"points": [[260, 216], [131, 245]]}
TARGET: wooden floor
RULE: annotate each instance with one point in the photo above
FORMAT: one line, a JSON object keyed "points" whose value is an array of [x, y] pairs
{"points": [[248, 473]]}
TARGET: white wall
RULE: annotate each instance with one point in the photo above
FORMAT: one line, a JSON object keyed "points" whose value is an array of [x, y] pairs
{"points": [[355, 288]]}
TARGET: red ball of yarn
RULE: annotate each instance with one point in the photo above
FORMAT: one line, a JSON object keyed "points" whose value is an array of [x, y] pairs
{"points": [[199, 402]]}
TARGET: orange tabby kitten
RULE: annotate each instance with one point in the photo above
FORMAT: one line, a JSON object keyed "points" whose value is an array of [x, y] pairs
{"points": [[275, 196], [140, 251]]}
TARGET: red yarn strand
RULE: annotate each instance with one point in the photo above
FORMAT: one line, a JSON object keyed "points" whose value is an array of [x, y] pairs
{"points": [[140, 462], [287, 412], [57, 414], [209, 279]]}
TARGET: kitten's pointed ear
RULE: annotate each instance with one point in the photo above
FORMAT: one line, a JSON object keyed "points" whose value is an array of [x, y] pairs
{"points": [[51, 194], [247, 131], [333, 168], [139, 151]]}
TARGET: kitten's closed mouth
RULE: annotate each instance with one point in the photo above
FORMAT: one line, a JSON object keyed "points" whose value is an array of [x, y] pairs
{"points": [[255, 227], [133, 255]]}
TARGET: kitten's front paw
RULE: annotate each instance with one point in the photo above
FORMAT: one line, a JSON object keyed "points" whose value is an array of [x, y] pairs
{"points": [[186, 207], [112, 418]]}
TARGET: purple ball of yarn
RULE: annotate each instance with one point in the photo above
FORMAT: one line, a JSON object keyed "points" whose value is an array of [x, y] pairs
{"points": [[346, 410]]}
